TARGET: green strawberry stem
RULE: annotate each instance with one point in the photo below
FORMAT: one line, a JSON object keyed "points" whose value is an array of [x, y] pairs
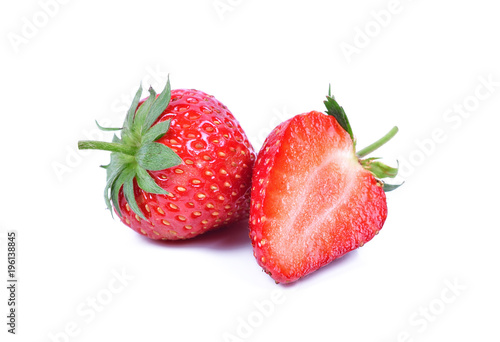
{"points": [[378, 169], [369, 149], [106, 146]]}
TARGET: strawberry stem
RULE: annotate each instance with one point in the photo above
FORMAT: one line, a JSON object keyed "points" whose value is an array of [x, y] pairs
{"points": [[369, 149], [106, 146]]}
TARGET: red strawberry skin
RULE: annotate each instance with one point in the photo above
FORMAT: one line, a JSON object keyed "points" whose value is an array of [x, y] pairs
{"points": [[211, 187], [311, 200]]}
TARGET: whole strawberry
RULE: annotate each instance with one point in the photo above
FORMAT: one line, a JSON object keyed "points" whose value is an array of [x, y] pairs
{"points": [[181, 167], [313, 197]]}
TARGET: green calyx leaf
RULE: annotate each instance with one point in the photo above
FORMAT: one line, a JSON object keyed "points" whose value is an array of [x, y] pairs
{"points": [[139, 124], [128, 191], [390, 187], [158, 106], [106, 129], [335, 110], [155, 156], [378, 169], [136, 151], [147, 183], [156, 132]]}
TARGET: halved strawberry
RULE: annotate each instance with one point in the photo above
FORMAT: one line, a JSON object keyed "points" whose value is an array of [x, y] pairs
{"points": [[313, 198]]}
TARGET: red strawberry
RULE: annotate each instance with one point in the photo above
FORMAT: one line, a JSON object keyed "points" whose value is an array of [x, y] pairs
{"points": [[313, 198], [181, 167]]}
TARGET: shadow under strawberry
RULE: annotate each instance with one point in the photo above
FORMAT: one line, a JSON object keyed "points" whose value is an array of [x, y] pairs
{"points": [[233, 236]]}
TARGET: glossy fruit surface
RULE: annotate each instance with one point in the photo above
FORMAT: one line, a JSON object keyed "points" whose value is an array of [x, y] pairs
{"points": [[191, 176]]}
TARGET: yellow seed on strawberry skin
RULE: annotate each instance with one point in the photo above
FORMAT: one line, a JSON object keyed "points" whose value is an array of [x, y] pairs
{"points": [[165, 222], [160, 210]]}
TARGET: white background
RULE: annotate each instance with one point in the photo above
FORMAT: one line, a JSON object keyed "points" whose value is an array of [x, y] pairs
{"points": [[430, 275]]}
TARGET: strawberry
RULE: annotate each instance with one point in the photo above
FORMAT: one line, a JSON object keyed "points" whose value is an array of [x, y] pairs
{"points": [[313, 197], [181, 167]]}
